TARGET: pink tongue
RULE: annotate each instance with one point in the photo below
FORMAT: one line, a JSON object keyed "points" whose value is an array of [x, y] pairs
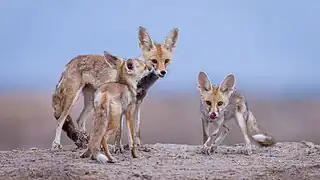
{"points": [[212, 116]]}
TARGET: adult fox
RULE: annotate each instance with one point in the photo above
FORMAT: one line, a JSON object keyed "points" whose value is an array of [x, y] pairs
{"points": [[85, 73]]}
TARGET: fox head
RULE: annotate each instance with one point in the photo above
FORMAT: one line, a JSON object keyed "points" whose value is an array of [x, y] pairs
{"points": [[134, 70], [215, 99], [159, 55]]}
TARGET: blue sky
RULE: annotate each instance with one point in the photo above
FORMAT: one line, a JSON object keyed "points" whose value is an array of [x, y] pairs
{"points": [[269, 45]]}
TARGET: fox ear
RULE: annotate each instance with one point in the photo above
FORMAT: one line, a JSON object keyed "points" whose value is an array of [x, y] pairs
{"points": [[228, 84], [145, 42], [111, 59], [129, 66], [204, 82], [171, 39]]}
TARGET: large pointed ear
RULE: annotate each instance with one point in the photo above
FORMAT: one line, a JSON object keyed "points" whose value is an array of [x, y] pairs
{"points": [[112, 60], [145, 41], [171, 39], [204, 83], [228, 84], [130, 66]]}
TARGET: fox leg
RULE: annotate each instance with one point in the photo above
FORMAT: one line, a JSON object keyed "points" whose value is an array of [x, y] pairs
{"points": [[118, 148], [99, 130], [71, 98], [220, 138], [114, 118], [205, 130], [137, 119], [131, 130], [244, 130], [206, 147], [88, 95], [105, 146]]}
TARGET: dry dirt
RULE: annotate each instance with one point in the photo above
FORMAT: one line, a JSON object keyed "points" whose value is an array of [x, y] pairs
{"points": [[289, 160]]}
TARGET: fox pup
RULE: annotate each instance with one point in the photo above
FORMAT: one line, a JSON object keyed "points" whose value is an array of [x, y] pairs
{"points": [[85, 73], [219, 105], [111, 102]]}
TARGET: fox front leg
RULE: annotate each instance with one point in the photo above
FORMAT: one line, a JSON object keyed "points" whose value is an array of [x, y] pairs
{"points": [[244, 130], [220, 139], [206, 148], [205, 130]]}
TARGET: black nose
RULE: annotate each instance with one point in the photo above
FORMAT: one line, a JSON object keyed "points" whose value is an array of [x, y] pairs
{"points": [[163, 73]]}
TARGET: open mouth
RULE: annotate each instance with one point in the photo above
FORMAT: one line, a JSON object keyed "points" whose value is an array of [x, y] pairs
{"points": [[160, 75]]}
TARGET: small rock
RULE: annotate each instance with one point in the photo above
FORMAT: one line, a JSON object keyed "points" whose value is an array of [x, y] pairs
{"points": [[34, 149], [136, 175]]}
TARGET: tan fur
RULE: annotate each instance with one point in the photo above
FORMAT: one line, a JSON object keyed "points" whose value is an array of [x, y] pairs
{"points": [[159, 55], [111, 102], [221, 104], [87, 72], [83, 73]]}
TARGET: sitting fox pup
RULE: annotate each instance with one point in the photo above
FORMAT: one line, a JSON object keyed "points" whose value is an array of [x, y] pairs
{"points": [[111, 102], [220, 104]]}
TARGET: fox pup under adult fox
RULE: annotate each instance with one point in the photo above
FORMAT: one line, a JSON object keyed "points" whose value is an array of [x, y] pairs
{"points": [[221, 104], [111, 102], [85, 73]]}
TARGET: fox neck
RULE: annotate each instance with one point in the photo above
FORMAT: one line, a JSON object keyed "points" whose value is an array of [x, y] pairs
{"points": [[128, 80]]}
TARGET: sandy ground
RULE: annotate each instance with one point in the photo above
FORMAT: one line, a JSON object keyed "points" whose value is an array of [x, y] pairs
{"points": [[289, 160]]}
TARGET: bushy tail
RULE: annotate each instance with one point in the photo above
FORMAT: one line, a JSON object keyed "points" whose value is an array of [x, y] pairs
{"points": [[262, 138], [58, 97]]}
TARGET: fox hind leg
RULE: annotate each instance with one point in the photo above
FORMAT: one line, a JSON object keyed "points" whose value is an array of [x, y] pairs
{"points": [[244, 130], [118, 148], [73, 94], [88, 96]]}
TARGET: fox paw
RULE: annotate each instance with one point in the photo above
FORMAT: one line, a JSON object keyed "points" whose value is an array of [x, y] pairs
{"points": [[85, 154], [213, 148], [205, 150], [112, 160], [56, 146], [118, 149], [247, 150], [134, 153]]}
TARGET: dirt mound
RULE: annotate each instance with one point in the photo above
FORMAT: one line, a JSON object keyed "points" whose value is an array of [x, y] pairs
{"points": [[288, 160]]}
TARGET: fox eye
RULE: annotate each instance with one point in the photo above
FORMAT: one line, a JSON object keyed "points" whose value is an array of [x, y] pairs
{"points": [[154, 61], [166, 61], [220, 103], [208, 103]]}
